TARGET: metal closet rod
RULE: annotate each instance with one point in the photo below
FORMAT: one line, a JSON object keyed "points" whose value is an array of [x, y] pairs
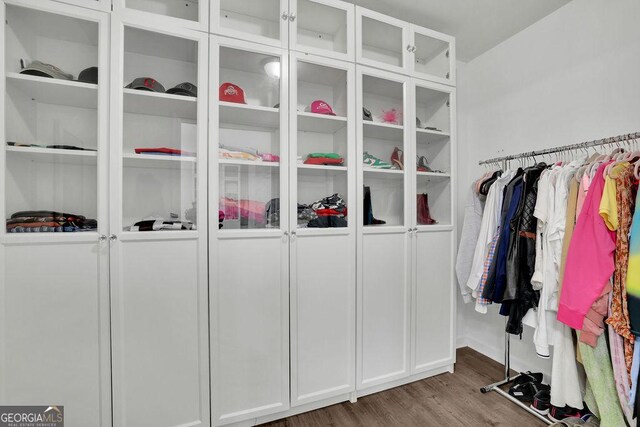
{"points": [[586, 144]]}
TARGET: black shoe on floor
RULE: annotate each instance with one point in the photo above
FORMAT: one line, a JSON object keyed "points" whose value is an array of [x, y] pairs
{"points": [[542, 402], [557, 414]]}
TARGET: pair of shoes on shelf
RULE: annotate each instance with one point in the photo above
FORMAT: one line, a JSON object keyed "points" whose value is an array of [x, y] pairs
{"points": [[397, 161]]}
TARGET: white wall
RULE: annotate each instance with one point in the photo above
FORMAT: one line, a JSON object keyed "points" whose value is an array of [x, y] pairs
{"points": [[571, 77]]}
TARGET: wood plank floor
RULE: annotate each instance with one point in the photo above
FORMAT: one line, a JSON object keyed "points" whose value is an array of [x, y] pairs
{"points": [[446, 400]]}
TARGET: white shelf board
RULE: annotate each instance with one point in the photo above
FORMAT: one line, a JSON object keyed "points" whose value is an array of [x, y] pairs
{"points": [[158, 161], [55, 91], [160, 104], [426, 136], [238, 162], [382, 131], [437, 175], [55, 155], [321, 170], [249, 115], [381, 173], [321, 123]]}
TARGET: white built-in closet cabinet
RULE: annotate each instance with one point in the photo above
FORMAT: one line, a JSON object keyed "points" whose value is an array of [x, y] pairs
{"points": [[245, 323]]}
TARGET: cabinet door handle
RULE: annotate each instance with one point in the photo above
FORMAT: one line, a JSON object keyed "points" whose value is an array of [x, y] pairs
{"points": [[102, 238], [113, 237], [293, 235], [285, 16], [409, 48], [292, 17], [413, 49]]}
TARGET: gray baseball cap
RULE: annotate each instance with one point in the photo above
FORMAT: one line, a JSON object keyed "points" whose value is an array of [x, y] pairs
{"points": [[146, 83], [39, 68]]}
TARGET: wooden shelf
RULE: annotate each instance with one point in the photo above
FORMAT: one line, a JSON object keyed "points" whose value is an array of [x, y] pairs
{"points": [[383, 131], [321, 123], [160, 104], [158, 161], [249, 115], [55, 155], [55, 91]]}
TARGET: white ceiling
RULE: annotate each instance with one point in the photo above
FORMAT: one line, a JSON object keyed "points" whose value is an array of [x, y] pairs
{"points": [[478, 25]]}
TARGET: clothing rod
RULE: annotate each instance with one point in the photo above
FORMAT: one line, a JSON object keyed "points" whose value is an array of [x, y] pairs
{"points": [[586, 144]]}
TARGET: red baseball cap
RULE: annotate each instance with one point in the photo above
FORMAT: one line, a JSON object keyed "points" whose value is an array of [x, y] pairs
{"points": [[231, 93], [321, 107]]}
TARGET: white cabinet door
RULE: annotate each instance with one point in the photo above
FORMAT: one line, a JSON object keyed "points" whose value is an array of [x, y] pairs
{"points": [[54, 333], [249, 254], [433, 55], [382, 41], [159, 331], [322, 317], [158, 276], [433, 330], [192, 14], [383, 309], [322, 253], [249, 327], [323, 27], [260, 21], [104, 5]]}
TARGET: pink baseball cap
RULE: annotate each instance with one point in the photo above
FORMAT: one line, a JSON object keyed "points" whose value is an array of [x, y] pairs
{"points": [[321, 107]]}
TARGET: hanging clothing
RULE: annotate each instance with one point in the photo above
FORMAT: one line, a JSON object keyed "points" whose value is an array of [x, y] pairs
{"points": [[468, 240], [597, 364], [633, 271], [590, 258], [488, 230]]}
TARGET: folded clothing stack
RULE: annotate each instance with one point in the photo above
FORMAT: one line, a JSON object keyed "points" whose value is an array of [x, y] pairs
{"points": [[159, 224], [333, 159], [48, 222], [243, 210], [54, 146], [164, 151], [331, 212], [325, 213], [245, 153]]}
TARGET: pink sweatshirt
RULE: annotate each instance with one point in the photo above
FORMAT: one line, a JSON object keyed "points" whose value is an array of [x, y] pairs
{"points": [[590, 262]]}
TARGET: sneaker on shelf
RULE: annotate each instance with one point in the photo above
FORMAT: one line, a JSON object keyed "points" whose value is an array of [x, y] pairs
{"points": [[542, 402], [557, 414], [374, 162]]}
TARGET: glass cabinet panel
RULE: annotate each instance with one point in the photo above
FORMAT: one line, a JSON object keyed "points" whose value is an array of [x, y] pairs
{"points": [[433, 156], [249, 140], [190, 10], [51, 122], [383, 151], [432, 57], [382, 40], [159, 145], [323, 28], [322, 146], [252, 18]]}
